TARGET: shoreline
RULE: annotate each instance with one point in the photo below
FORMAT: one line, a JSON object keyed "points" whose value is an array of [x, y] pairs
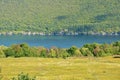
{"points": [[61, 33]]}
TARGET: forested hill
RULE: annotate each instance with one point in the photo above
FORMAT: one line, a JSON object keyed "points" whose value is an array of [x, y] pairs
{"points": [[50, 16]]}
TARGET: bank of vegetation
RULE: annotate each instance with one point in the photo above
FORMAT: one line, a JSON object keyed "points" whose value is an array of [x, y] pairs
{"points": [[59, 17], [96, 50]]}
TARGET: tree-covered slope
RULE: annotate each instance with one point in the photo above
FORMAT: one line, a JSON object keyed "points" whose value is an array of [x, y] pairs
{"points": [[57, 15]]}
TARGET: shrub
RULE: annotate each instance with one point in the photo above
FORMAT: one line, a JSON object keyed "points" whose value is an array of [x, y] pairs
{"points": [[78, 53], [9, 52], [20, 50], [2, 54], [101, 53], [43, 53], [116, 50], [96, 51], [72, 50], [63, 53], [108, 49], [116, 43], [23, 76], [90, 46], [24, 50], [52, 53], [86, 52]]}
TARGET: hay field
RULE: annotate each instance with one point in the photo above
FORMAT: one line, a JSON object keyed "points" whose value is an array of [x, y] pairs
{"points": [[105, 68]]}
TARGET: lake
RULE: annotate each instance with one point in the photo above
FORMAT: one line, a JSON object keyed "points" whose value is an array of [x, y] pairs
{"points": [[58, 41]]}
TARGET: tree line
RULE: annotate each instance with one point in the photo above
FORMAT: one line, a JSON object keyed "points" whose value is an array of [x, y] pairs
{"points": [[95, 50]]}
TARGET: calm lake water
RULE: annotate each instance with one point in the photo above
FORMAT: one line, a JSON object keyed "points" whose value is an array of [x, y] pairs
{"points": [[59, 41]]}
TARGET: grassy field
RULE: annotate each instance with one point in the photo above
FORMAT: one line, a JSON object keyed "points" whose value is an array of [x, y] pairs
{"points": [[105, 68]]}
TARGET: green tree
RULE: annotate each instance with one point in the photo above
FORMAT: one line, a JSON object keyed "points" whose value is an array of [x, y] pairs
{"points": [[43, 53], [72, 50], [9, 52], [86, 52], [63, 53], [2, 54], [52, 53], [77, 53]]}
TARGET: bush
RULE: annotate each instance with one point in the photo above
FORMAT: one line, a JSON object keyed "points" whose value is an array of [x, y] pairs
{"points": [[78, 53], [2, 54], [116, 43], [86, 52], [52, 53], [116, 50], [20, 50], [43, 53], [63, 53], [23, 76], [72, 50], [24, 50], [9, 52], [101, 53]]}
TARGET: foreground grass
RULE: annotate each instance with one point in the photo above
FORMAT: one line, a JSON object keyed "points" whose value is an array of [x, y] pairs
{"points": [[106, 68]]}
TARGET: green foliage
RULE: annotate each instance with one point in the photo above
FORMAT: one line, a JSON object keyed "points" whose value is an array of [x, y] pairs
{"points": [[43, 53], [9, 52], [116, 46], [86, 52], [116, 43], [50, 16], [23, 76], [101, 49], [77, 53], [20, 50], [26, 49], [72, 50], [63, 53], [2, 54], [97, 50], [52, 53], [91, 47]]}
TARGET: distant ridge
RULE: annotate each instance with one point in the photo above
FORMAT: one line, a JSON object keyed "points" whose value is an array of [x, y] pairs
{"points": [[60, 16]]}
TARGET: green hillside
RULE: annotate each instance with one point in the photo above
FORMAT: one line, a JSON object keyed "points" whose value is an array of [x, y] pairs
{"points": [[60, 15]]}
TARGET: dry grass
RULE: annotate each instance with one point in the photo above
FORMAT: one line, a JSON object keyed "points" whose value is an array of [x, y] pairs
{"points": [[106, 68]]}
